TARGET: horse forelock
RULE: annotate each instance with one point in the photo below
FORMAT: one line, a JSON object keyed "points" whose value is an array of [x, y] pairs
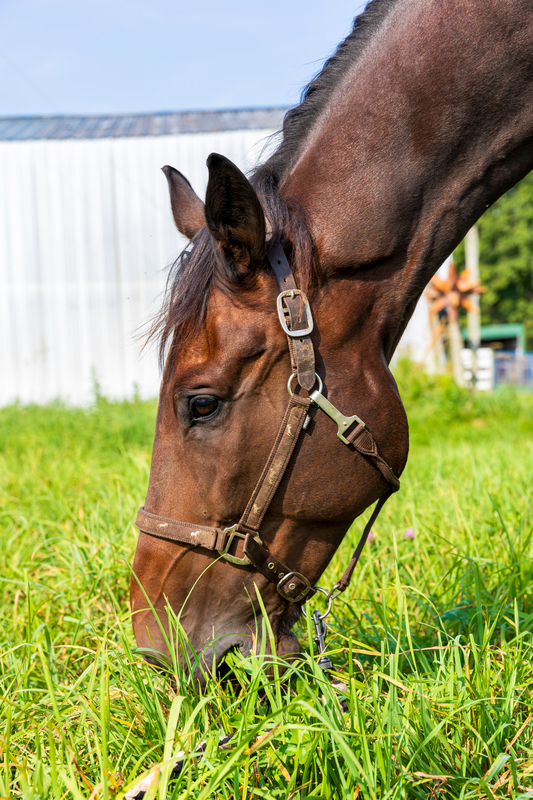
{"points": [[200, 267]]}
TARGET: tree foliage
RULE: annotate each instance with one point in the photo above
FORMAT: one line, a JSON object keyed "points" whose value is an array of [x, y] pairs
{"points": [[506, 258]]}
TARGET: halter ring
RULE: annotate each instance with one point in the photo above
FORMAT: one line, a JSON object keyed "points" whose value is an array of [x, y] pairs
{"points": [[294, 375], [330, 597]]}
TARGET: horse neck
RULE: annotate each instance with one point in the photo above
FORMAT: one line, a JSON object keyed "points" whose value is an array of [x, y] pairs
{"points": [[429, 126]]}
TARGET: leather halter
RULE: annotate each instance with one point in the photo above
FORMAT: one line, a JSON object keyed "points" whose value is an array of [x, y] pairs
{"points": [[296, 320]]}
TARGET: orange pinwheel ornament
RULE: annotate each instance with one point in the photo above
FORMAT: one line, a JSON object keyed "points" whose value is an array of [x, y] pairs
{"points": [[453, 292]]}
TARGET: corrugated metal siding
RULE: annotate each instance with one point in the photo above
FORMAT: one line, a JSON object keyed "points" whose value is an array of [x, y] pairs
{"points": [[119, 125], [85, 234]]}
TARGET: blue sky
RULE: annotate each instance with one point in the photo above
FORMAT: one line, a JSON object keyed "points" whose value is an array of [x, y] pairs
{"points": [[120, 56]]}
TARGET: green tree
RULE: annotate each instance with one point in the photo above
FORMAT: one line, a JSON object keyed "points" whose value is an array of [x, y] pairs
{"points": [[506, 258]]}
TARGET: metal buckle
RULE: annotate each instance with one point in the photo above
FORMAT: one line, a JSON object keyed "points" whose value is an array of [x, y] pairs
{"points": [[285, 580], [292, 293], [343, 423], [233, 532]]}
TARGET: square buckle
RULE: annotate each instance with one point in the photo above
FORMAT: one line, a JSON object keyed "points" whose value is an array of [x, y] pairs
{"points": [[286, 581], [292, 293], [233, 532]]}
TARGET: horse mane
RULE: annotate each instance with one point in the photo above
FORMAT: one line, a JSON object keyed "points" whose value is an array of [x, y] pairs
{"points": [[199, 267], [301, 119]]}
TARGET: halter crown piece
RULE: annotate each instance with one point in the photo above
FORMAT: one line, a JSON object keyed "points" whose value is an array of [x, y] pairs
{"points": [[297, 322]]}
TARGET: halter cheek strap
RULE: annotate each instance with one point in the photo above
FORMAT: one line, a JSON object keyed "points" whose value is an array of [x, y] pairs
{"points": [[296, 320], [291, 585]]}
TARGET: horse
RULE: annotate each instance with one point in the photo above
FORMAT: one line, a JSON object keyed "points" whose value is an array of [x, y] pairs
{"points": [[417, 123]]}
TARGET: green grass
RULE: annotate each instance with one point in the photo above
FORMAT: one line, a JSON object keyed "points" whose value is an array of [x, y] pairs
{"points": [[434, 639]]}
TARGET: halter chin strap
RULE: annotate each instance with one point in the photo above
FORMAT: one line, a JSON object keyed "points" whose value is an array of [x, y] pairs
{"points": [[296, 320]]}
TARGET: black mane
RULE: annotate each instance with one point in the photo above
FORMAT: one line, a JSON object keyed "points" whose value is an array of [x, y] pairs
{"points": [[299, 121], [198, 267]]}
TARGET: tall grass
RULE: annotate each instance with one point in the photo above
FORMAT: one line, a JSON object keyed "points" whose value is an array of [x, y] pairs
{"points": [[433, 641]]}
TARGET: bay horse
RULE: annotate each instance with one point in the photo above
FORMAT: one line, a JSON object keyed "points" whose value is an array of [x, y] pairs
{"points": [[421, 119]]}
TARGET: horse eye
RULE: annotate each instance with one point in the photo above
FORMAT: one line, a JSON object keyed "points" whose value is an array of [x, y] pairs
{"points": [[203, 406]]}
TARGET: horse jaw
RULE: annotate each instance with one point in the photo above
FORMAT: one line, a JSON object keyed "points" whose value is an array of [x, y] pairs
{"points": [[205, 645]]}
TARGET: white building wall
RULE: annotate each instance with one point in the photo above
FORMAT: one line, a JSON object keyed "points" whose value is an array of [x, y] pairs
{"points": [[85, 234], [416, 340]]}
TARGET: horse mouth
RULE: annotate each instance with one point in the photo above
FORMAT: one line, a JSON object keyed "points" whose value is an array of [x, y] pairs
{"points": [[216, 660], [203, 656], [288, 647]]}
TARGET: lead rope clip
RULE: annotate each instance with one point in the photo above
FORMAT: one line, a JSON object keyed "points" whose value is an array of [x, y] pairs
{"points": [[324, 662], [321, 629]]}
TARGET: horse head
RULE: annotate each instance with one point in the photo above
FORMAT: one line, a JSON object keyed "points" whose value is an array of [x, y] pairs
{"points": [[223, 398]]}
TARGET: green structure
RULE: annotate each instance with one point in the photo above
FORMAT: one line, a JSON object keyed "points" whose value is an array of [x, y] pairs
{"points": [[508, 336]]}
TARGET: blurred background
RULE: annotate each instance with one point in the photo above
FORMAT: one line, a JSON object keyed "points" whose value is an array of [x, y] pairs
{"points": [[94, 99]]}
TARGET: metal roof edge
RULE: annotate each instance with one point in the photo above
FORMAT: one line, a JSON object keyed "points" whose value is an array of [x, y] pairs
{"points": [[98, 126]]}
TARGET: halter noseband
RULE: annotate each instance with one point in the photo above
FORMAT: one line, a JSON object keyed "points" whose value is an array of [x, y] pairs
{"points": [[297, 322]]}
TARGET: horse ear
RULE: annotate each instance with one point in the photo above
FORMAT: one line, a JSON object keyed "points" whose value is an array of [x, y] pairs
{"points": [[234, 215], [187, 208]]}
